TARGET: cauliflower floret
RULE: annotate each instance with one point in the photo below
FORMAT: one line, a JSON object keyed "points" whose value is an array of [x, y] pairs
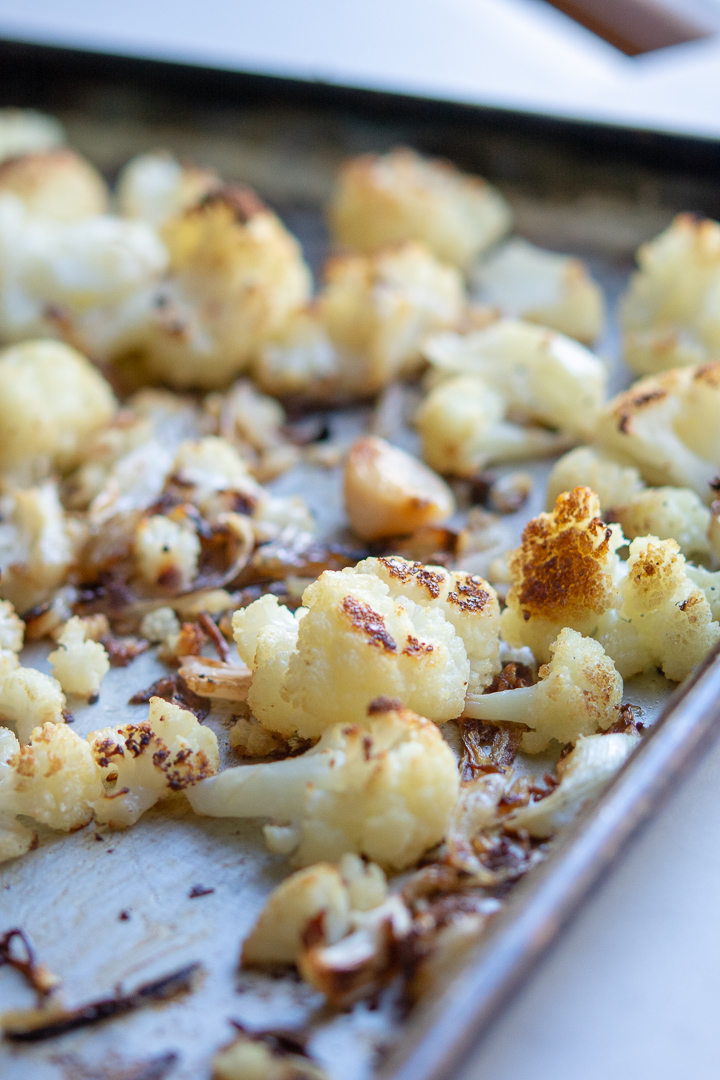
{"points": [[398, 196], [334, 891], [669, 427], [12, 629], [385, 790], [253, 1057], [366, 326], [671, 311], [166, 552], [158, 625], [79, 663], [545, 377], [579, 691], [56, 184], [25, 131], [666, 512], [567, 573], [543, 287], [155, 187], [214, 476], [15, 839], [390, 493], [464, 426], [236, 275], [28, 698], [54, 779], [89, 278], [51, 401], [142, 763], [583, 774], [386, 627], [35, 545]]}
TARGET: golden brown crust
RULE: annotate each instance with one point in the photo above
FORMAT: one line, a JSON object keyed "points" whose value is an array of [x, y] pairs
{"points": [[369, 623], [415, 573]]}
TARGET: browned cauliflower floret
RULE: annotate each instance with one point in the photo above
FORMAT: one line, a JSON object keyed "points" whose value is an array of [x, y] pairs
{"points": [[669, 427], [57, 184], [390, 493], [579, 691], [36, 548], [645, 611], [12, 629], [398, 196], [79, 664], [166, 552], [236, 275], [336, 892], [28, 698], [385, 790], [156, 187], [15, 838], [671, 313], [387, 627], [24, 131], [526, 282], [143, 763], [366, 326], [583, 773], [51, 401]]}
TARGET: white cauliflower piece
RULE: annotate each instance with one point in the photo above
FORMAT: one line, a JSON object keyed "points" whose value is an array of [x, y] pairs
{"points": [[51, 401], [586, 770], [464, 426], [79, 663], [166, 552], [579, 692], [15, 838], [25, 131], [668, 426], [387, 627], [56, 184], [385, 790], [12, 628], [388, 492], [366, 326], [36, 548], [215, 478], [54, 779], [143, 763], [545, 377], [236, 275], [66, 277], [385, 199], [567, 573], [585, 466], [670, 313], [28, 698], [321, 889], [155, 187], [526, 282], [158, 625]]}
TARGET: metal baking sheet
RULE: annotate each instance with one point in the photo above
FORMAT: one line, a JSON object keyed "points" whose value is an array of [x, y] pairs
{"points": [[115, 908]]}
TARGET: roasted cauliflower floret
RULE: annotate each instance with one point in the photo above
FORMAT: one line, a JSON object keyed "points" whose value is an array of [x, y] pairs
{"points": [[578, 693], [236, 275], [89, 279], [666, 512], [25, 131], [51, 401], [366, 326], [567, 573], [390, 493], [671, 311], [669, 427], [336, 892], [583, 774], [385, 627], [36, 548], [215, 478], [15, 838], [526, 282], [401, 195], [385, 790], [54, 779], [166, 552], [156, 187], [56, 184], [79, 664], [12, 628], [28, 698], [143, 763], [545, 377]]}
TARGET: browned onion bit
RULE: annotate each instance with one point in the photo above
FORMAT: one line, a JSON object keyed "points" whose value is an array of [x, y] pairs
{"points": [[123, 650], [42, 981], [173, 688], [212, 631], [488, 747]]}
